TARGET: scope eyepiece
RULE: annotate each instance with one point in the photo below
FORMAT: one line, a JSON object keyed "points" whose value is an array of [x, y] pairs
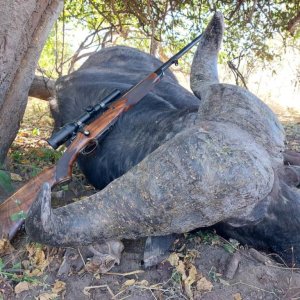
{"points": [[62, 135]]}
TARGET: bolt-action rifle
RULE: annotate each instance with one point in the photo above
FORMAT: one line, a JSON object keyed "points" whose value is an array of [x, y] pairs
{"points": [[83, 135]]}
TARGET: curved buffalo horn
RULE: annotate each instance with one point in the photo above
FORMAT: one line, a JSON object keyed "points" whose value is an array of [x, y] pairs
{"points": [[229, 103], [208, 172], [204, 69]]}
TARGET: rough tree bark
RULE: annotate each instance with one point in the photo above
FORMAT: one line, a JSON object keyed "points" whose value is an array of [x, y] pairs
{"points": [[24, 28]]}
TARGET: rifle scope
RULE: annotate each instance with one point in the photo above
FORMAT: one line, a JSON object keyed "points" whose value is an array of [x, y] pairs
{"points": [[69, 130]]}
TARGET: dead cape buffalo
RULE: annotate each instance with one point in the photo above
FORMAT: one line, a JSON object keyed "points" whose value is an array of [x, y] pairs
{"points": [[177, 161]]}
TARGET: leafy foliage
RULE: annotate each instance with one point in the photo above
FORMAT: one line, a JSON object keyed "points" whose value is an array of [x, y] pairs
{"points": [[5, 182], [163, 27], [12, 273], [55, 52]]}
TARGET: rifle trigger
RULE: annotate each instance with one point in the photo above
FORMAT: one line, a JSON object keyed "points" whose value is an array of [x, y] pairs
{"points": [[176, 62]]}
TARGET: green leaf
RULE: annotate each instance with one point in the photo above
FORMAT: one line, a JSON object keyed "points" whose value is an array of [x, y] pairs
{"points": [[17, 266], [229, 248], [36, 131], [176, 276], [35, 171], [5, 182], [65, 188], [21, 215], [1, 264]]}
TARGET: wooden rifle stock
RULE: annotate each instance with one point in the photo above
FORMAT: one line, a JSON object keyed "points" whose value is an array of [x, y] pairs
{"points": [[20, 202], [14, 209]]}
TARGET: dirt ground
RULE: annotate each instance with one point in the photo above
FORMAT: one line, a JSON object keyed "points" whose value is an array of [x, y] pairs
{"points": [[201, 265], [207, 272]]}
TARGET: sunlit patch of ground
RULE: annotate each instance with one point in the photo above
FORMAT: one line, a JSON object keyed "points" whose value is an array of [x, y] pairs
{"points": [[30, 151], [290, 118]]}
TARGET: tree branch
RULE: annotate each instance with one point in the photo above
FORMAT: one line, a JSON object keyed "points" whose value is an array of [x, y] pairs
{"points": [[293, 24], [42, 88], [237, 74]]}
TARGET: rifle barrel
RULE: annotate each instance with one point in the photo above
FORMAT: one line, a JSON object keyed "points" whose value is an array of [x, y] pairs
{"points": [[175, 58]]}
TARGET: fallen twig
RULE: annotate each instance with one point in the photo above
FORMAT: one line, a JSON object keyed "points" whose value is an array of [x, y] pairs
{"points": [[88, 288], [124, 274]]}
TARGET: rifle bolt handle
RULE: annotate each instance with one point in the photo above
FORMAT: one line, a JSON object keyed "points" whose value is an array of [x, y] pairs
{"points": [[85, 132]]}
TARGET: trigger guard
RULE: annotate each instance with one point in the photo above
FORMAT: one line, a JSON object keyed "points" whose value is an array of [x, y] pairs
{"points": [[90, 147]]}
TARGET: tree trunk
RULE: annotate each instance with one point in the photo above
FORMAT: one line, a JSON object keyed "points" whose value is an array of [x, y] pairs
{"points": [[24, 28]]}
